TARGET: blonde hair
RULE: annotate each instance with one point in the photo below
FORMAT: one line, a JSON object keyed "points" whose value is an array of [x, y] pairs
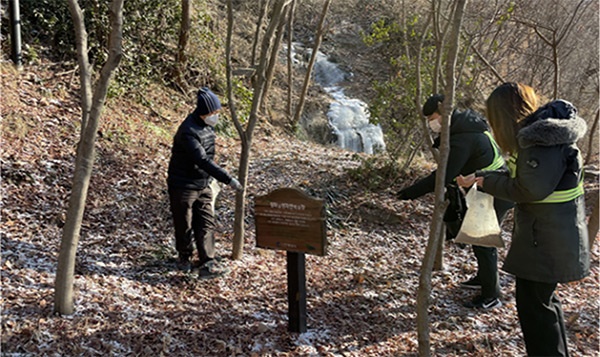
{"points": [[507, 106]]}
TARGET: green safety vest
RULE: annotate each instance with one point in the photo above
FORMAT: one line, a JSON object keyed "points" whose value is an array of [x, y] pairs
{"points": [[556, 196], [498, 161]]}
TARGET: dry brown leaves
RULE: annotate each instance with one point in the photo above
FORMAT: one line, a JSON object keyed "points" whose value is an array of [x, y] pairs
{"points": [[131, 301]]}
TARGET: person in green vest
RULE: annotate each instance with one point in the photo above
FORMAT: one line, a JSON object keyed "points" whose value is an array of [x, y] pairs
{"points": [[545, 179], [472, 148]]}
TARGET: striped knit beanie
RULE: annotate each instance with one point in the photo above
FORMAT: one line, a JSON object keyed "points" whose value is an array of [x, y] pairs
{"points": [[208, 102]]}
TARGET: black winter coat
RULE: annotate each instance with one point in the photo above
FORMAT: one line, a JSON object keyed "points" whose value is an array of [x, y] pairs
{"points": [[192, 156], [470, 150], [549, 242]]}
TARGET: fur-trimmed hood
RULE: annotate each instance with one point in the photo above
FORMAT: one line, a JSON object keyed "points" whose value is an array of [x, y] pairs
{"points": [[552, 124]]}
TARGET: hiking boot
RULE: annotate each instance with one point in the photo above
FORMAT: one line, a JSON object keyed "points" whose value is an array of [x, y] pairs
{"points": [[212, 269], [473, 283], [479, 302], [184, 264]]}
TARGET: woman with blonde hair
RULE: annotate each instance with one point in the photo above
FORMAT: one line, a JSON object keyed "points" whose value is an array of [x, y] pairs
{"points": [[545, 180]]}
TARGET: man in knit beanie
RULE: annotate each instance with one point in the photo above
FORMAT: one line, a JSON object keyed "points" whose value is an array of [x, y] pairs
{"points": [[191, 173]]}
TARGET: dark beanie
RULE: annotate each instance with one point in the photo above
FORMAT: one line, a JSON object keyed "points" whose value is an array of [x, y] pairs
{"points": [[431, 105], [208, 101]]}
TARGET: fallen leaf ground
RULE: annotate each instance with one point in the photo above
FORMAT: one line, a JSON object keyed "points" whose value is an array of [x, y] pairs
{"points": [[361, 297]]}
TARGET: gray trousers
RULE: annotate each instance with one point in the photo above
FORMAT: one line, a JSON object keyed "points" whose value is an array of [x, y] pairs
{"points": [[193, 217]]}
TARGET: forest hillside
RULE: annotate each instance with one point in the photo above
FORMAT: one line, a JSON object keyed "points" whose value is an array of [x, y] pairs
{"points": [[130, 299]]}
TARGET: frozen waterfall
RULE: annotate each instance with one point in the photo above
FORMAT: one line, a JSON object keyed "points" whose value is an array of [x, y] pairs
{"points": [[349, 118]]}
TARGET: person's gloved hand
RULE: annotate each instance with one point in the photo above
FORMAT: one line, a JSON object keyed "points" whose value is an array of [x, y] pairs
{"points": [[236, 185]]}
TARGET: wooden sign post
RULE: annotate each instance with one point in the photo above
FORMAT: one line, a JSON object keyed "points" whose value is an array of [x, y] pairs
{"points": [[290, 220], [296, 273]]}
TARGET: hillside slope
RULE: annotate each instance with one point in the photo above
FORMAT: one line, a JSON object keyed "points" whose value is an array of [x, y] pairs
{"points": [[131, 301]]}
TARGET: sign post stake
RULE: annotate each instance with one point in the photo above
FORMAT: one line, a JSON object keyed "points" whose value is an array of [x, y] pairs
{"points": [[296, 272], [291, 220]]}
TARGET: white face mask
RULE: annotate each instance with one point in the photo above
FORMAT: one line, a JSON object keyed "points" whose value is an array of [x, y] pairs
{"points": [[212, 120], [435, 126]]}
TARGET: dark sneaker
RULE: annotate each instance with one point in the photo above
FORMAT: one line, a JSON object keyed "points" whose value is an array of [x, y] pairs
{"points": [[183, 264], [212, 269], [479, 302], [471, 284]]}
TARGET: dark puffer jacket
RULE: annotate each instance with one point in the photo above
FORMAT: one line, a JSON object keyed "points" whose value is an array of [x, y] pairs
{"points": [[192, 156], [470, 150], [549, 242]]}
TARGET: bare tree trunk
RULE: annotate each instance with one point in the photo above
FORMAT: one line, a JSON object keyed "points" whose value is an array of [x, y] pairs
{"points": [[63, 290], [590, 149], [229, 73], [273, 60], [264, 8], [424, 292], [463, 62], [246, 135], [556, 63], [290, 60], [438, 45], [593, 222], [85, 73], [419, 90], [438, 262], [311, 63], [238, 231], [439, 35], [405, 37], [184, 35]]}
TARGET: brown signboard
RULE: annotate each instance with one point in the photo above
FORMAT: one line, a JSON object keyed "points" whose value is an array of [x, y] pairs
{"points": [[288, 219]]}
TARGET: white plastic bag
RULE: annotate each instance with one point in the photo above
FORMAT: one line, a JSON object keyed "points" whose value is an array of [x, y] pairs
{"points": [[480, 226], [215, 188]]}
